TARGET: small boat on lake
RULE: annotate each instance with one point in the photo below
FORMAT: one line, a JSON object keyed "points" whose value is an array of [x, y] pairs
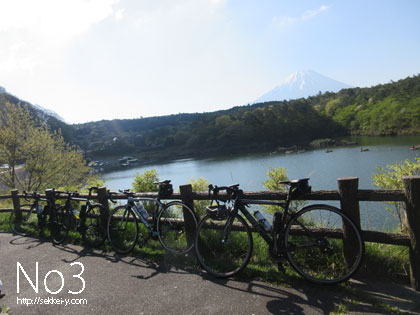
{"points": [[414, 147], [328, 150], [364, 149]]}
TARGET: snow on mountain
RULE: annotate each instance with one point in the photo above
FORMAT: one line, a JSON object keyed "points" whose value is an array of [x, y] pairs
{"points": [[302, 84]]}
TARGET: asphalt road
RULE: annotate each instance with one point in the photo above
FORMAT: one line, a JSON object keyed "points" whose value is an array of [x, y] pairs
{"points": [[113, 285]]}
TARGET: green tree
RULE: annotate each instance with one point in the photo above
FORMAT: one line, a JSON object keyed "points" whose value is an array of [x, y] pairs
{"points": [[200, 185], [145, 182], [276, 175], [15, 128], [37, 157], [390, 177]]}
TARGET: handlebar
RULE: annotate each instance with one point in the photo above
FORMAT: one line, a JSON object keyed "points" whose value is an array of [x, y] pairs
{"points": [[90, 191], [33, 194]]}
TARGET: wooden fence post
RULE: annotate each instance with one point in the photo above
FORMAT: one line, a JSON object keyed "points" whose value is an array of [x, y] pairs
{"points": [[186, 197], [103, 200], [50, 194], [412, 193], [347, 189], [16, 204]]}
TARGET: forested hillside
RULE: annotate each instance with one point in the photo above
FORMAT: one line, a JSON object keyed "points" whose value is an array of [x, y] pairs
{"points": [[53, 123], [388, 109]]}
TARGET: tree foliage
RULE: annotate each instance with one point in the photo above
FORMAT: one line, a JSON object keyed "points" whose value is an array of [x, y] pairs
{"points": [[390, 177], [199, 185], [275, 176], [385, 109], [145, 182], [37, 157]]}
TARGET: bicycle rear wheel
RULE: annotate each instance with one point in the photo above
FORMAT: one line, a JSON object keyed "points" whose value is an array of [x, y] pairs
{"points": [[172, 228], [27, 223], [223, 247], [316, 244], [122, 230], [61, 225], [93, 233]]}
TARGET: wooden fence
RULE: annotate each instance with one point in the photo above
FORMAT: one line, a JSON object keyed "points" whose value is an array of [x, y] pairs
{"points": [[347, 193]]}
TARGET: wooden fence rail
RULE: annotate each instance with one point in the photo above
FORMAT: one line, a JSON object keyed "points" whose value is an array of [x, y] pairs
{"points": [[347, 193]]}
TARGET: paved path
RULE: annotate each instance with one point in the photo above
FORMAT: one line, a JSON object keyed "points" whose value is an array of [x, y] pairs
{"points": [[134, 286]]}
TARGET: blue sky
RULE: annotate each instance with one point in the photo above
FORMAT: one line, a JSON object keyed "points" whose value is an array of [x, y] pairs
{"points": [[105, 59]]}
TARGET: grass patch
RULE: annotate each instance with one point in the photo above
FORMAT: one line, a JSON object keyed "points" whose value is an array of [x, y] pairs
{"points": [[383, 261]]}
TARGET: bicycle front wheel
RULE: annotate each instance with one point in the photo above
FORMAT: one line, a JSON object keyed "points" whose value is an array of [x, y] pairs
{"points": [[176, 225], [26, 223], [223, 247], [122, 230], [316, 244], [93, 234], [61, 225]]}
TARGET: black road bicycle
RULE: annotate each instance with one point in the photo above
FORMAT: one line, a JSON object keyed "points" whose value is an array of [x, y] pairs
{"points": [[87, 222], [34, 216], [26, 221], [321, 242], [167, 222]]}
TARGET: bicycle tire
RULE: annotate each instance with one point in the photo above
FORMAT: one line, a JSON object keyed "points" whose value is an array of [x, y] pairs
{"points": [[172, 231], [61, 225], [93, 233], [28, 223], [223, 258], [320, 256], [122, 230]]}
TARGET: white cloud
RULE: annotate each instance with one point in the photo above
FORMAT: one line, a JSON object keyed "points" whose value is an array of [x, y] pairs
{"points": [[119, 14], [35, 33], [312, 13], [53, 18], [288, 20]]}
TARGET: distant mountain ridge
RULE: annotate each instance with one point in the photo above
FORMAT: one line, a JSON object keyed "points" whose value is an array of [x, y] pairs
{"points": [[302, 84], [51, 118], [49, 112], [384, 109]]}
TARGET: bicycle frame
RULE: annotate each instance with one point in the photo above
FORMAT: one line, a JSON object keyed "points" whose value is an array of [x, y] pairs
{"points": [[131, 204], [276, 232]]}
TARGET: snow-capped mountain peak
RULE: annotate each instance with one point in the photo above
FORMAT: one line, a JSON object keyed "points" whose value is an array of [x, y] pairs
{"points": [[302, 84]]}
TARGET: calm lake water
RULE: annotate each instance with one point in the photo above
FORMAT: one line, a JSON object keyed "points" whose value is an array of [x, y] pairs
{"points": [[323, 168]]}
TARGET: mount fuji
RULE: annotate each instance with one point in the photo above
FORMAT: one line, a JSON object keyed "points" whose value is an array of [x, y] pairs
{"points": [[302, 84]]}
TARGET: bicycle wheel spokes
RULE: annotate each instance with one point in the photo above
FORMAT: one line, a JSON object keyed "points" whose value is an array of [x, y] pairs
{"points": [[94, 234], [25, 224], [61, 225], [316, 246], [122, 230], [174, 235], [222, 252]]}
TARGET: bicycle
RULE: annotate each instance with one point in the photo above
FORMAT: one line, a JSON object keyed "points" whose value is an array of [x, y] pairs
{"points": [[91, 227], [27, 221], [87, 222], [313, 239], [44, 218], [168, 222]]}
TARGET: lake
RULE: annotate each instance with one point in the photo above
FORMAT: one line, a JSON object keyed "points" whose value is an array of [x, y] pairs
{"points": [[249, 170]]}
